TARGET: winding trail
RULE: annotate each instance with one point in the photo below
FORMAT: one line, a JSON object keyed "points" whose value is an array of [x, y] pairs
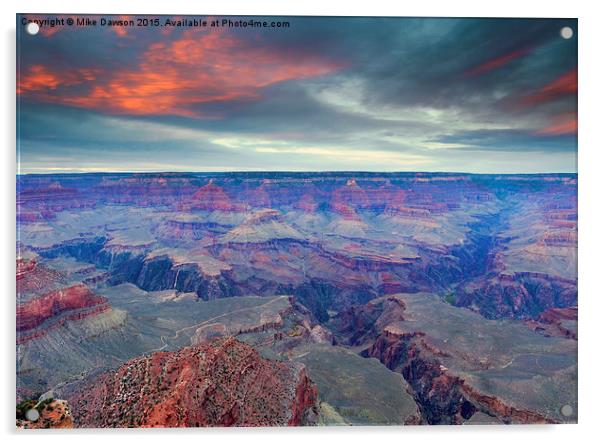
{"points": [[209, 321]]}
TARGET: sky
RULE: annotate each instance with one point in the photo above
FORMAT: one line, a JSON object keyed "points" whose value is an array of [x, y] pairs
{"points": [[323, 94]]}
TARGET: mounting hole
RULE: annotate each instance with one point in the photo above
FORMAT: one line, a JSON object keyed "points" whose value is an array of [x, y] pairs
{"points": [[566, 410], [566, 32], [32, 28], [32, 415]]}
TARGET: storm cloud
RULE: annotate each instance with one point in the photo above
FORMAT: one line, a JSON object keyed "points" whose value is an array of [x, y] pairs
{"points": [[381, 94]]}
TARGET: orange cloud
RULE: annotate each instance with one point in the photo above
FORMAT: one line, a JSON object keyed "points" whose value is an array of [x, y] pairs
{"points": [[172, 77], [38, 78], [564, 85], [497, 62], [563, 124]]}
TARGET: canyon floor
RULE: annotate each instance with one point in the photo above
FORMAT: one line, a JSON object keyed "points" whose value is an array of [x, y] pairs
{"points": [[285, 299]]}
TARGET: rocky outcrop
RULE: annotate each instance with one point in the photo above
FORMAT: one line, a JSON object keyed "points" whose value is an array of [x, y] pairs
{"points": [[49, 310], [457, 363], [149, 272], [42, 203], [556, 322], [262, 226], [145, 189], [521, 295], [438, 395], [307, 203], [34, 279], [358, 324], [443, 398], [268, 317], [222, 383], [258, 197], [351, 194], [212, 198]]}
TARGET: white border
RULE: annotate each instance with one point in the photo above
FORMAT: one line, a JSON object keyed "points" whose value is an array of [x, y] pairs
{"points": [[590, 171]]}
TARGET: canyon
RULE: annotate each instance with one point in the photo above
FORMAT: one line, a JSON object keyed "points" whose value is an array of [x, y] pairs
{"points": [[231, 299]]}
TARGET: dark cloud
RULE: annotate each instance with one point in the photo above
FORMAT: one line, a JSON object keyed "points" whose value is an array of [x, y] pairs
{"points": [[428, 88], [510, 141]]}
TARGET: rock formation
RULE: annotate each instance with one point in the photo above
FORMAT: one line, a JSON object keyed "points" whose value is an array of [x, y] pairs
{"points": [[222, 383]]}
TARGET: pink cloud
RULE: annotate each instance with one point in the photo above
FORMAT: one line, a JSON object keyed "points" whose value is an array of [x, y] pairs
{"points": [[202, 66]]}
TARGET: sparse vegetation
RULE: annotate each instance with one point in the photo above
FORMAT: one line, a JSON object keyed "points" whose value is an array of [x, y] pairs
{"points": [[450, 298]]}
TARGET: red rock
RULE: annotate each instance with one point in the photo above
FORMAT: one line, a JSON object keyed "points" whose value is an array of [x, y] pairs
{"points": [[507, 295], [360, 323], [145, 190], [33, 313], [345, 210], [558, 314], [553, 322], [222, 383], [444, 393], [40, 204], [212, 198], [54, 191], [307, 203], [350, 195], [259, 197]]}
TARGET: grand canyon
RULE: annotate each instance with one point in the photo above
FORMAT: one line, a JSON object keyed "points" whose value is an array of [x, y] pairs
{"points": [[277, 299]]}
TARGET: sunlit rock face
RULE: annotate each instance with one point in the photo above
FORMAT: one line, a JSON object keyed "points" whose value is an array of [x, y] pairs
{"points": [[70, 303], [221, 383]]}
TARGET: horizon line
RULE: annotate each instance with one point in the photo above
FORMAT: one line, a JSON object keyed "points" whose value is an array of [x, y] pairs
{"points": [[294, 172]]}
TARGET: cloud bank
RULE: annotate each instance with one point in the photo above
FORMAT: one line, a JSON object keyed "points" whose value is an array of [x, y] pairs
{"points": [[380, 94]]}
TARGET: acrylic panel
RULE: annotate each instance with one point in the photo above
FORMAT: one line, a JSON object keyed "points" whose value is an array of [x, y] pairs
{"points": [[295, 221]]}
